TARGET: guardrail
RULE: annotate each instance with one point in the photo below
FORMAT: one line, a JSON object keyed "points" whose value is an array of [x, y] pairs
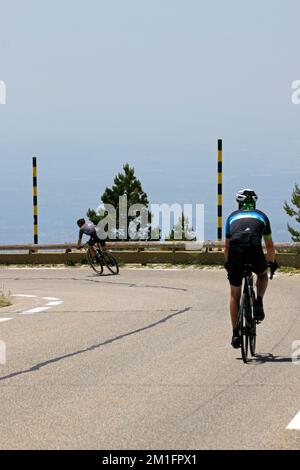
{"points": [[132, 245], [169, 252], [69, 247]]}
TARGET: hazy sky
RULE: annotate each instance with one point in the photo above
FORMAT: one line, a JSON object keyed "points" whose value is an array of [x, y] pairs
{"points": [[93, 84]]}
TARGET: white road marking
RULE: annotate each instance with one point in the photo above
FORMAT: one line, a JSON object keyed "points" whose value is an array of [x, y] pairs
{"points": [[34, 310], [50, 298], [53, 301], [5, 319], [56, 302], [295, 423]]}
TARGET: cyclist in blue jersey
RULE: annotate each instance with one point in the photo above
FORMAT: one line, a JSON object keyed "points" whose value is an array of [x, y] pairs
{"points": [[245, 228]]}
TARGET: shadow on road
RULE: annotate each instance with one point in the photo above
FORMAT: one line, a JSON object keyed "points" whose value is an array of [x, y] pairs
{"points": [[266, 357], [129, 284], [95, 346]]}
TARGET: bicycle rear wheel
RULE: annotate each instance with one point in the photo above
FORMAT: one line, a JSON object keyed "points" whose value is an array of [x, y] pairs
{"points": [[110, 262], [94, 263], [243, 328]]}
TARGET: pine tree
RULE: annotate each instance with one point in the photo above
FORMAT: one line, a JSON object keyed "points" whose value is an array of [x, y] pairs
{"points": [[125, 183], [294, 212]]}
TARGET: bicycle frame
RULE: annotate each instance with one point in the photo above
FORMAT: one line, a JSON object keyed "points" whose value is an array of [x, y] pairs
{"points": [[248, 286]]}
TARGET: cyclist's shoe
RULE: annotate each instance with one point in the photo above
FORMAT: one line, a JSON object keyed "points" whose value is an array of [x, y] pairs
{"points": [[236, 340], [259, 313]]}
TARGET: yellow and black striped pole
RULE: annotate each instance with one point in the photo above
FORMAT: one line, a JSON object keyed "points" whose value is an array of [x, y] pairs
{"points": [[35, 204], [219, 217]]}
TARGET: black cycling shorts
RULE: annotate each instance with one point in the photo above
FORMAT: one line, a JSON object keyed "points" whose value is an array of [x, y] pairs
{"points": [[94, 239], [240, 255]]}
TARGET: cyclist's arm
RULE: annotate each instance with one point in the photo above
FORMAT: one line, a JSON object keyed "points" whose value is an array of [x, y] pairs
{"points": [[79, 239], [226, 249], [270, 248], [227, 239], [267, 234]]}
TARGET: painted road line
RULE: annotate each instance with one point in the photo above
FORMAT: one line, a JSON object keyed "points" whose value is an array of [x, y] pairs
{"points": [[34, 310], [56, 302], [50, 298], [52, 302], [5, 319], [295, 423]]}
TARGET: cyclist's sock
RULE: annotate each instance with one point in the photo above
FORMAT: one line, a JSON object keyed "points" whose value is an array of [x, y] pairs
{"points": [[259, 300]]}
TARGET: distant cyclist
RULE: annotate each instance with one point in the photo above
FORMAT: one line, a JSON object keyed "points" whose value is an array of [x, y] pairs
{"points": [[245, 228], [89, 229]]}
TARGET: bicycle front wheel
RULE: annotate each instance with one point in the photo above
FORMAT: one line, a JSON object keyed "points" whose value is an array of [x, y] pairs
{"points": [[110, 262], [94, 263], [243, 327]]}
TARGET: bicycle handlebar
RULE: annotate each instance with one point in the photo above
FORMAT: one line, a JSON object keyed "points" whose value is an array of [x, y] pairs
{"points": [[83, 246], [86, 245]]}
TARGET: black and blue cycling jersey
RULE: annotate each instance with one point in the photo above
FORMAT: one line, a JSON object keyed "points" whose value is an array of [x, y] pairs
{"points": [[247, 227]]}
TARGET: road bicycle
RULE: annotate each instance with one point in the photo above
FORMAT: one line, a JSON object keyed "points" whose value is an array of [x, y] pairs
{"points": [[246, 322], [100, 259]]}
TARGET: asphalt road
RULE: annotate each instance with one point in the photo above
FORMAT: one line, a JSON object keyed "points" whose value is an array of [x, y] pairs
{"points": [[143, 361]]}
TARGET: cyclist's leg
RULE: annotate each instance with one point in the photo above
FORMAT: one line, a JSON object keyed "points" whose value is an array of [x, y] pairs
{"points": [[235, 296], [235, 277], [262, 283], [92, 249], [102, 244], [261, 287], [95, 244], [260, 267], [98, 242]]}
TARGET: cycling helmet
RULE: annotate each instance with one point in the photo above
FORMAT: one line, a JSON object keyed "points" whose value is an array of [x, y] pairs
{"points": [[80, 222], [246, 197]]}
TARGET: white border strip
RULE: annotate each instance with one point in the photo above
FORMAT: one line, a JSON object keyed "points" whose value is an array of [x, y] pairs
{"points": [[56, 302], [50, 298], [34, 310], [53, 301], [295, 423]]}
